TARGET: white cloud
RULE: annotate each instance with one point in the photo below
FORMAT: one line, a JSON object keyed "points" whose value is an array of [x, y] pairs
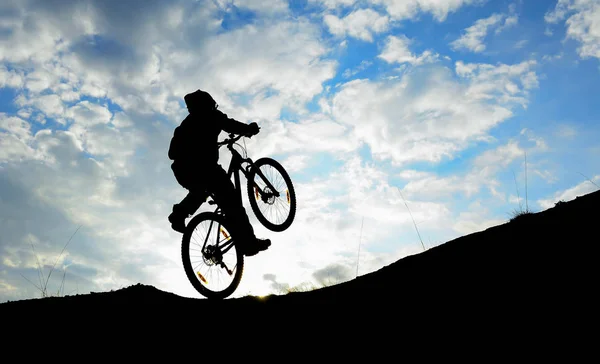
{"points": [[37, 36], [363, 190], [440, 115], [360, 24], [364, 64], [499, 157], [546, 175], [51, 76], [509, 21], [584, 27], [473, 221], [582, 22], [15, 126], [51, 105], [473, 37], [6, 287], [263, 6], [554, 57], [138, 69], [530, 80], [396, 51], [296, 162], [10, 78], [332, 4], [489, 81], [333, 206], [521, 44], [538, 142], [286, 57], [312, 134], [435, 187], [14, 148], [407, 9], [559, 12], [411, 174], [121, 120], [482, 173], [569, 194], [566, 131], [87, 114], [114, 146], [38, 81]]}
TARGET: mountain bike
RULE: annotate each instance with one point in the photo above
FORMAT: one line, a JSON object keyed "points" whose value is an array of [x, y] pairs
{"points": [[210, 259]]}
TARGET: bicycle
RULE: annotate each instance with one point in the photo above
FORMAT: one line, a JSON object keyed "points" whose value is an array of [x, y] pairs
{"points": [[261, 191]]}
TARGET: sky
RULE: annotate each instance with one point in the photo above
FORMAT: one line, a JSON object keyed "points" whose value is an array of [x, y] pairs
{"points": [[403, 125]]}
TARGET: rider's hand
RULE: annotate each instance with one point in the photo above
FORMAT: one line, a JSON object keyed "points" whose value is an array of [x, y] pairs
{"points": [[253, 129]]}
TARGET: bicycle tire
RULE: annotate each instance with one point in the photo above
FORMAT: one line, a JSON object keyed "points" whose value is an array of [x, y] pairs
{"points": [[290, 193], [187, 264]]}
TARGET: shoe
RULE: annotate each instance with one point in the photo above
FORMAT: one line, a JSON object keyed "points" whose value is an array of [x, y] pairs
{"points": [[255, 246], [177, 222]]}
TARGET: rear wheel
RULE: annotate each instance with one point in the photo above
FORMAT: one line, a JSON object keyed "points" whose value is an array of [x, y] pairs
{"points": [[210, 259], [275, 207]]}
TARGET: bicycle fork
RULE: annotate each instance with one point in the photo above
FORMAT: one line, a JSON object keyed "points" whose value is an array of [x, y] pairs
{"points": [[258, 190]]}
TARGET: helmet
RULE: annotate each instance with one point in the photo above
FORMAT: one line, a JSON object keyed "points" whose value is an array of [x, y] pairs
{"points": [[200, 100]]}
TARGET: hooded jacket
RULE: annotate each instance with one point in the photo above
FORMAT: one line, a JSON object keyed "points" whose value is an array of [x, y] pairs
{"points": [[195, 140]]}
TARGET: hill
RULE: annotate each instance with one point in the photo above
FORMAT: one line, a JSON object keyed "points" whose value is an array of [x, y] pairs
{"points": [[536, 265]]}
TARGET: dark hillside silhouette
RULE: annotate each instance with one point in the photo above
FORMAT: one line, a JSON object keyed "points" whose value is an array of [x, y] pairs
{"points": [[539, 265]]}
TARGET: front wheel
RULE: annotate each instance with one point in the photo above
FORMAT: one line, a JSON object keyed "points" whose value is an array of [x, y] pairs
{"points": [[210, 259], [273, 203]]}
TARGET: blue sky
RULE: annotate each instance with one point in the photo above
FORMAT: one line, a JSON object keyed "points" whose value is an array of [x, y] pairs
{"points": [[371, 105]]}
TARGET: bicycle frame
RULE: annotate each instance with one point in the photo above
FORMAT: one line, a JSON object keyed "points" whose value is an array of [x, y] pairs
{"points": [[235, 166]]}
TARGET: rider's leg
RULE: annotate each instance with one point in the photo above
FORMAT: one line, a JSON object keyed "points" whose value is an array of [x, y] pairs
{"points": [[191, 203], [227, 198]]}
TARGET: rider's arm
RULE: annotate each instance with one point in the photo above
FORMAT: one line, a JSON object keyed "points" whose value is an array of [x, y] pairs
{"points": [[231, 125]]}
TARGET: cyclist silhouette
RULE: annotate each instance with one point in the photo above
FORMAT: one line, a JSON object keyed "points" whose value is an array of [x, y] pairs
{"points": [[194, 152]]}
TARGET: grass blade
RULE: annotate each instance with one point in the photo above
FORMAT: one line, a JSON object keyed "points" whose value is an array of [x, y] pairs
{"points": [[592, 182], [61, 253], [359, 243], [413, 220]]}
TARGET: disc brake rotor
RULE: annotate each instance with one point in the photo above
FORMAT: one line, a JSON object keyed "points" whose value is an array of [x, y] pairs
{"points": [[212, 255], [269, 196]]}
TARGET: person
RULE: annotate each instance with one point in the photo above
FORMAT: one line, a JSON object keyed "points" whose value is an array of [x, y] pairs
{"points": [[195, 153]]}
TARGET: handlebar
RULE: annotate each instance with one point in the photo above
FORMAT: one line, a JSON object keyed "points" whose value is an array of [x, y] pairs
{"points": [[232, 139]]}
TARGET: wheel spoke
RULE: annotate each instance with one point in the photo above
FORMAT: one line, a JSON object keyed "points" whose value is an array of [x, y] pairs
{"points": [[275, 211]]}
